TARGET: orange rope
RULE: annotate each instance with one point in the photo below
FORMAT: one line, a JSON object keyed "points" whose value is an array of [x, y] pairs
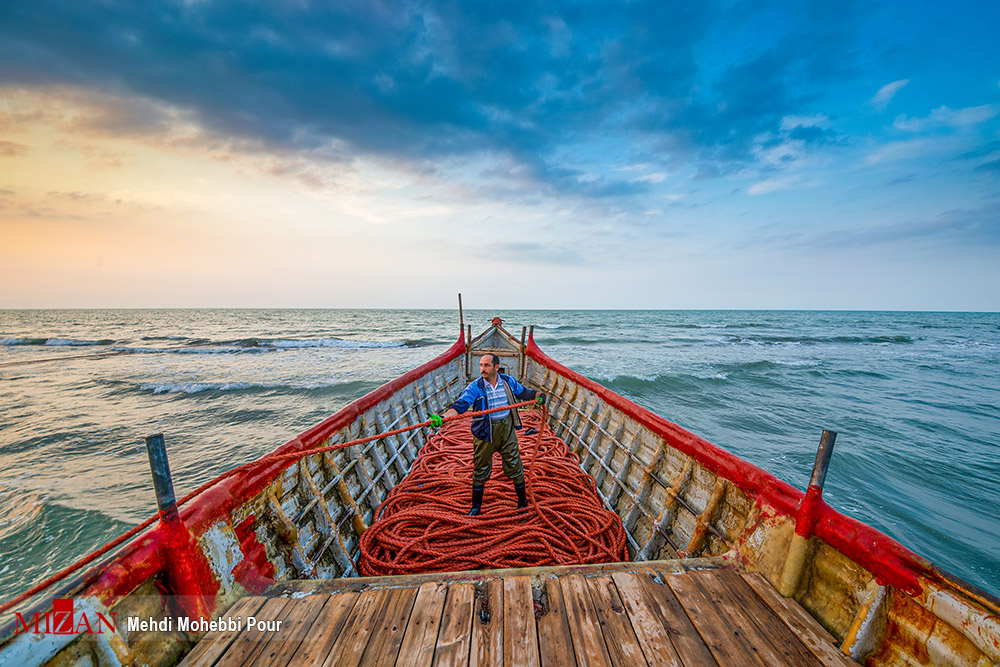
{"points": [[423, 526], [267, 460]]}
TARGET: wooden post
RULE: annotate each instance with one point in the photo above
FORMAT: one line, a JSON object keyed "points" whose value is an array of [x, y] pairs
{"points": [[461, 319], [176, 546], [521, 366], [468, 353], [166, 502], [798, 550]]}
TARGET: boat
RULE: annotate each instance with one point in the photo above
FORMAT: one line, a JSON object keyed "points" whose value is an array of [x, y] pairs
{"points": [[727, 564]]}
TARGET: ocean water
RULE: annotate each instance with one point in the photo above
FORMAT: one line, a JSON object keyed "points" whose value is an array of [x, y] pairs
{"points": [[914, 397]]}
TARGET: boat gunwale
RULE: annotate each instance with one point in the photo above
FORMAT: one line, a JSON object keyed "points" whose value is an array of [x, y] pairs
{"points": [[891, 563], [141, 558]]}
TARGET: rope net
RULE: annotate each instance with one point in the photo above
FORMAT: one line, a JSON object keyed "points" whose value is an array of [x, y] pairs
{"points": [[423, 526]]}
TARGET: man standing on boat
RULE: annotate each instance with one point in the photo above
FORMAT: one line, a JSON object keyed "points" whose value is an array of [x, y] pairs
{"points": [[495, 431]]}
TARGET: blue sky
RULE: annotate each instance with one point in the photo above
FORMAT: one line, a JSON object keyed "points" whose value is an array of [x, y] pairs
{"points": [[558, 155]]}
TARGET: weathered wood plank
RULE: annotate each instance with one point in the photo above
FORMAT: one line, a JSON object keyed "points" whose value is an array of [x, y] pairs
{"points": [[421, 634], [712, 628], [683, 635], [815, 637], [298, 620], [353, 639], [326, 629], [770, 624], [520, 643], [623, 646], [456, 625], [646, 623], [251, 642], [214, 644], [585, 628], [555, 645], [746, 632], [383, 645], [487, 626]]}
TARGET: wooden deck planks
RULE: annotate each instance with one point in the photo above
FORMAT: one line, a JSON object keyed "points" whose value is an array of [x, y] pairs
{"points": [[421, 633], [383, 645], [555, 646], [648, 626], [295, 627], [316, 645], [755, 642], [520, 643], [771, 626], [808, 630], [487, 627], [454, 639], [251, 643], [688, 643], [699, 617], [584, 626], [623, 646], [214, 644], [714, 630], [353, 640]]}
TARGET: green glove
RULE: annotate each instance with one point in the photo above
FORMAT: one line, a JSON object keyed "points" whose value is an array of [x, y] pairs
{"points": [[541, 399], [436, 420]]}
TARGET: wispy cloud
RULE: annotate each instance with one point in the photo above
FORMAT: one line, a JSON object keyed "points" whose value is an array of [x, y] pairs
{"points": [[943, 117], [791, 182], [910, 149], [10, 148], [885, 94], [964, 226], [530, 252]]}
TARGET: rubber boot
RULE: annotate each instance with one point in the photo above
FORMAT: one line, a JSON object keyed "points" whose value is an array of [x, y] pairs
{"points": [[522, 499], [477, 498]]}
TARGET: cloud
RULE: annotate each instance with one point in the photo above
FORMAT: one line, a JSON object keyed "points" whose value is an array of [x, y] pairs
{"points": [[909, 149], [531, 252], [885, 94], [982, 151], [943, 117], [792, 182], [435, 80], [12, 149], [974, 227]]}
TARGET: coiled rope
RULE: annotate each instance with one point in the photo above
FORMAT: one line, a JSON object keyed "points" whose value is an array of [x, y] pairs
{"points": [[423, 527], [267, 460]]}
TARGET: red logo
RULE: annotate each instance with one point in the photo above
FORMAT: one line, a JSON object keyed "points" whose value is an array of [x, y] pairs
{"points": [[63, 620]]}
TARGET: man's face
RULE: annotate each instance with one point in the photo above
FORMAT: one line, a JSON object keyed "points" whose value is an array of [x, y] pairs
{"points": [[487, 368]]}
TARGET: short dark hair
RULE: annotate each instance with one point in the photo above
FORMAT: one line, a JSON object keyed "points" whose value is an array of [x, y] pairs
{"points": [[495, 358]]}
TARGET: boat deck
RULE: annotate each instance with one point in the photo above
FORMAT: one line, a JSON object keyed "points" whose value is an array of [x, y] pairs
{"points": [[696, 612]]}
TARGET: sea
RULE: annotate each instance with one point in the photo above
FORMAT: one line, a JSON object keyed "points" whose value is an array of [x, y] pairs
{"points": [[914, 398]]}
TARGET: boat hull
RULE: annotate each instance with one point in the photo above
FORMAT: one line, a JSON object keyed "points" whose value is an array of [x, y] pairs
{"points": [[679, 497]]}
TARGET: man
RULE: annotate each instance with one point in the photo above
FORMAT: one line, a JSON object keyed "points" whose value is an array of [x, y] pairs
{"points": [[495, 431]]}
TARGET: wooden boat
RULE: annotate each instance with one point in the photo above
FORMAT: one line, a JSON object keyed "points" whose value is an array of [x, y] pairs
{"points": [[712, 540]]}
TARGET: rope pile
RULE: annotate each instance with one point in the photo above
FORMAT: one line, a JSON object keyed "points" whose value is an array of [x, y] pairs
{"points": [[423, 527]]}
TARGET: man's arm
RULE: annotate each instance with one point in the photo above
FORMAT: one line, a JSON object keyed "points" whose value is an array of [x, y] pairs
{"points": [[521, 392], [464, 402]]}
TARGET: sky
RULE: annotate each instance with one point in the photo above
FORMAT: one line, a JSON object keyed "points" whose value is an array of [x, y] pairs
{"points": [[689, 155]]}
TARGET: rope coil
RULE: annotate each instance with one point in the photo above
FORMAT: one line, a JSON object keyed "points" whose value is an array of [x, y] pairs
{"points": [[422, 525]]}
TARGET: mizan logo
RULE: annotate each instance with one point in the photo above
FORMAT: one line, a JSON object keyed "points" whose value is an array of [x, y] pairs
{"points": [[62, 620]]}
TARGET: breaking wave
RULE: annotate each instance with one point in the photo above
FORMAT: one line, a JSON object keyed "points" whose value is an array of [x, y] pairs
{"points": [[818, 340], [54, 342]]}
